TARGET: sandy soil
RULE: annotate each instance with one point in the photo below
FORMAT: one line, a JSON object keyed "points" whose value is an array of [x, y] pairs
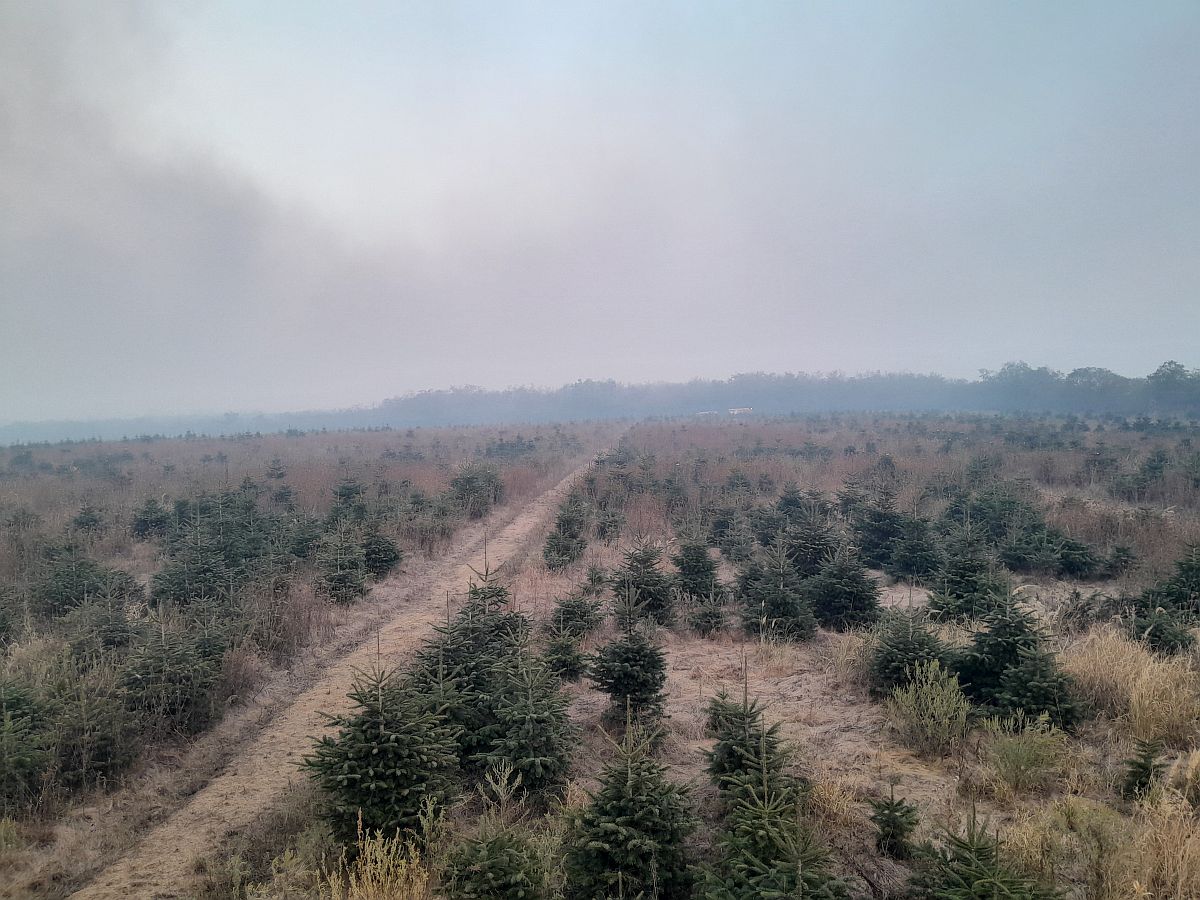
{"points": [[163, 862]]}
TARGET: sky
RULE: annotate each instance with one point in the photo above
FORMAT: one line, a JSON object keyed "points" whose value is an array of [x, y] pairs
{"points": [[264, 205]]}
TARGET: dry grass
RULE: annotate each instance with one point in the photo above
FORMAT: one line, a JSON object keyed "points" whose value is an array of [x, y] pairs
{"points": [[1165, 861], [382, 868], [1151, 697]]}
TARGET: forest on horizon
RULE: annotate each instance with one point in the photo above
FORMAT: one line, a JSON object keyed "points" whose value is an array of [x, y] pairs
{"points": [[1172, 390]]}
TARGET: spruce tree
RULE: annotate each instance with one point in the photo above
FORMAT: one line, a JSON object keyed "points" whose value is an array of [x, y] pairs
{"points": [[343, 566], [530, 729], [380, 553], [843, 594], [915, 555], [1142, 769], [632, 670], [877, 528], [630, 839], [904, 641], [767, 851], [894, 820], [774, 603], [1009, 633], [809, 544], [697, 572], [563, 657], [747, 750], [1037, 686], [642, 580], [498, 864], [388, 761], [969, 867]]}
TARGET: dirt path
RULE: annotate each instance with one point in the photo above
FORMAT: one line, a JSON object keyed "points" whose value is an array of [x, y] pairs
{"points": [[162, 864]]}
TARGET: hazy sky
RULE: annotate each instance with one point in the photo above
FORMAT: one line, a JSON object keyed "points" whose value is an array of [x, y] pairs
{"points": [[210, 206]]}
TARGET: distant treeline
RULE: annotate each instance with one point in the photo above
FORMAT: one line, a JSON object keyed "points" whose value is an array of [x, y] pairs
{"points": [[1171, 390]]}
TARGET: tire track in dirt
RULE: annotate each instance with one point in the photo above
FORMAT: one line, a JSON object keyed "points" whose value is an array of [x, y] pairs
{"points": [[163, 862]]}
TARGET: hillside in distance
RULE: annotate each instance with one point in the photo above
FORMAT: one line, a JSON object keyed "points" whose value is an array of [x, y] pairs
{"points": [[1171, 390]]}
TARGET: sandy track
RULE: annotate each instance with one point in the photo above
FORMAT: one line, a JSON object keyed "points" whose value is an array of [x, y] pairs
{"points": [[163, 863]]}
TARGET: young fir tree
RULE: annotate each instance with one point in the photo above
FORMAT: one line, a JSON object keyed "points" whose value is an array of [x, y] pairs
{"points": [[562, 654], [966, 586], [1142, 769], [380, 553], [577, 615], [915, 555], [530, 729], [747, 750], [904, 641], [343, 566], [645, 583], [809, 543], [388, 761], [630, 839], [697, 572], [843, 594], [632, 670], [894, 820], [498, 864], [767, 851], [465, 654], [969, 867], [708, 616], [1009, 633], [877, 528], [1037, 686], [774, 604]]}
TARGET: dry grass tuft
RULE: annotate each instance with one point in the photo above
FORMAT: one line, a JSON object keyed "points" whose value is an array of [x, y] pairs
{"points": [[1156, 698], [1166, 851], [847, 655], [383, 868]]}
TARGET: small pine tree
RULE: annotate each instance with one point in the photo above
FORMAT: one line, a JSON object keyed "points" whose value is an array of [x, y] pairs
{"points": [[1010, 632], [562, 655], [1037, 686], [343, 566], [697, 572], [630, 840], [915, 555], [747, 750], [530, 730], [632, 671], [905, 641], [969, 867], [843, 594], [642, 580], [498, 864], [380, 553], [576, 615], [24, 756], [389, 761], [894, 820], [1142, 769], [708, 616], [1163, 631], [766, 851], [966, 586], [774, 602], [169, 679]]}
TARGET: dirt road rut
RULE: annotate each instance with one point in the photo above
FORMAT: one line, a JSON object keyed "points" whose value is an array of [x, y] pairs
{"points": [[162, 864]]}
